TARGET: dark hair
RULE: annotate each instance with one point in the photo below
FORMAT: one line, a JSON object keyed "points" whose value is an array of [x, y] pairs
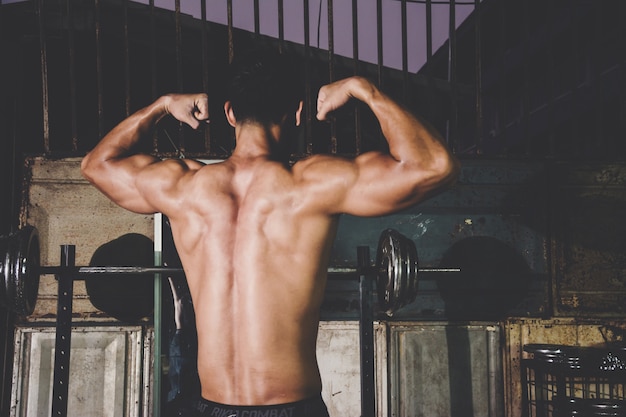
{"points": [[264, 86]]}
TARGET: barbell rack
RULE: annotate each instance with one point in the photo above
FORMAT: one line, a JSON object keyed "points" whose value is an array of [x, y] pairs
{"points": [[66, 273]]}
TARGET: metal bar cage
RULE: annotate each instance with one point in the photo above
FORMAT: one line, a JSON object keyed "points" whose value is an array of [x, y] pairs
{"points": [[564, 381], [503, 79]]}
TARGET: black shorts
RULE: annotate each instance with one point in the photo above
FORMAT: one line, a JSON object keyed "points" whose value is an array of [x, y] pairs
{"points": [[311, 407]]}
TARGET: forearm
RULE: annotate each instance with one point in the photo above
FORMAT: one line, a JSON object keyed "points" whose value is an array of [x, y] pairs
{"points": [[409, 138], [122, 139]]}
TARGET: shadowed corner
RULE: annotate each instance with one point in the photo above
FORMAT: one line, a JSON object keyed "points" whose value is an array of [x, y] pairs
{"points": [[494, 278]]}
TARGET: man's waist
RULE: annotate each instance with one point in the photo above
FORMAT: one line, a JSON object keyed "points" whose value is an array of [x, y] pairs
{"points": [[312, 406]]}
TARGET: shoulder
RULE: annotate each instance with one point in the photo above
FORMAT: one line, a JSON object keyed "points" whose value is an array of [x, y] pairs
{"points": [[332, 165], [321, 165], [170, 183], [171, 168], [167, 177], [324, 181]]}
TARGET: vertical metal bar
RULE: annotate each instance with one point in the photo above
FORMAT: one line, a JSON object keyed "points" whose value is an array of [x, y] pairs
{"points": [[496, 406], [479, 77], [366, 333], [156, 365], [99, 78], [178, 43], [355, 35], [549, 69], [257, 19], [281, 26], [379, 41], [429, 54], [44, 76], [14, 162], [622, 71], [379, 47], [331, 41], [7, 352], [307, 75], [452, 78], [63, 341], [404, 48], [525, 369], [331, 71], [575, 145], [179, 68], [126, 60], [526, 75], [205, 69], [502, 85], [231, 46], [355, 54], [429, 29], [158, 322], [71, 48], [153, 64], [596, 83]]}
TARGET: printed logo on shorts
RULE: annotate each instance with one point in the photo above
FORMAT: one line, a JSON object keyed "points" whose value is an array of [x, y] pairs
{"points": [[282, 412]]}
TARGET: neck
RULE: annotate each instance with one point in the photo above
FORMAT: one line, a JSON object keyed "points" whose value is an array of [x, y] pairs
{"points": [[257, 141]]}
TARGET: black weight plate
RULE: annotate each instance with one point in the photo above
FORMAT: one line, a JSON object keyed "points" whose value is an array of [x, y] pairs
{"points": [[384, 279], [20, 270], [412, 270], [399, 278], [396, 260], [128, 297]]}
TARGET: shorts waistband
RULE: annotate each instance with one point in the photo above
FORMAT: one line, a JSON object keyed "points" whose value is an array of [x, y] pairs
{"points": [[212, 409]]}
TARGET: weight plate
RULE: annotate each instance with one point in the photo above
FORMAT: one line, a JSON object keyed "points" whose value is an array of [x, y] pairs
{"points": [[396, 260], [384, 278], [20, 270], [412, 270]]}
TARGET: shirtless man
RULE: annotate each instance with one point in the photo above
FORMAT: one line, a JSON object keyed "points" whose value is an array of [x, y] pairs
{"points": [[254, 234]]}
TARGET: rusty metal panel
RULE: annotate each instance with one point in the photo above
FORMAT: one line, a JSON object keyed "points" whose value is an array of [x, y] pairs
{"points": [[338, 358], [105, 371], [492, 224], [558, 331], [445, 370], [589, 239]]}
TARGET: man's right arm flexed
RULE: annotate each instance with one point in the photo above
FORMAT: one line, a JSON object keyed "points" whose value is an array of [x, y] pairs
{"points": [[374, 183], [135, 180]]}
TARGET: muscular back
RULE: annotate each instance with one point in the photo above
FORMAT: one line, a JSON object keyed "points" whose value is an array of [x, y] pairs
{"points": [[254, 237], [255, 249]]}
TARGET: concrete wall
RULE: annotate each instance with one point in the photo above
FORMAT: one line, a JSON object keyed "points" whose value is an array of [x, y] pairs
{"points": [[67, 210]]}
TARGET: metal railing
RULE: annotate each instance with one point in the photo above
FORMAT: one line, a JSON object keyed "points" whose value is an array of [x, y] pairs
{"points": [[509, 79]]}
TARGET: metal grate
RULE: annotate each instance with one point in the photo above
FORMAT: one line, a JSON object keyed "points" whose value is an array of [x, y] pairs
{"points": [[562, 381]]}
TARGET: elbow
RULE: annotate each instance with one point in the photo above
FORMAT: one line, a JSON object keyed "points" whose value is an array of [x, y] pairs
{"points": [[88, 168], [441, 175], [85, 167], [444, 171], [451, 170]]}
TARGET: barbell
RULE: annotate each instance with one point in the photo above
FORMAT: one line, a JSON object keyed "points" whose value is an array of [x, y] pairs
{"points": [[395, 270]]}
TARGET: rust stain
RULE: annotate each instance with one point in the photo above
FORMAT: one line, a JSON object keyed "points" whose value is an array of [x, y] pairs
{"points": [[25, 200], [572, 301]]}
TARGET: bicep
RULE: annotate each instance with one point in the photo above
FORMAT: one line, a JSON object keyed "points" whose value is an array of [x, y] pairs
{"points": [[382, 185], [372, 184], [135, 183], [369, 185]]}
